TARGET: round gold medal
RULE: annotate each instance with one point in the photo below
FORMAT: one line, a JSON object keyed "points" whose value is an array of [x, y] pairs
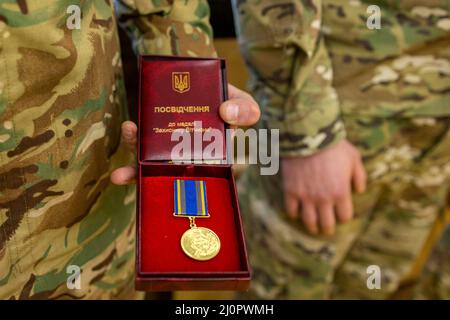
{"points": [[200, 243]]}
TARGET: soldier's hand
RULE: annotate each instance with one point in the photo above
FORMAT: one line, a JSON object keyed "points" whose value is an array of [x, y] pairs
{"points": [[240, 110], [318, 188]]}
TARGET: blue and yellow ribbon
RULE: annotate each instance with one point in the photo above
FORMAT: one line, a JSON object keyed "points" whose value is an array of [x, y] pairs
{"points": [[190, 198]]}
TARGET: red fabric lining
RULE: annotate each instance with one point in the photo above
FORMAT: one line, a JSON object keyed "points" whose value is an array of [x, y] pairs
{"points": [[161, 231]]}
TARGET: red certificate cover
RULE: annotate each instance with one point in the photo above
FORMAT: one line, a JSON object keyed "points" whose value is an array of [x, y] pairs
{"points": [[175, 93]]}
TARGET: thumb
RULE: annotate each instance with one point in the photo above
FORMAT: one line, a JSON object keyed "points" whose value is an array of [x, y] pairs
{"points": [[240, 112]]}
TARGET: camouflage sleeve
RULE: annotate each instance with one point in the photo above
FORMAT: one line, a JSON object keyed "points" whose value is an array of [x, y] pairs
{"points": [[167, 27], [291, 72]]}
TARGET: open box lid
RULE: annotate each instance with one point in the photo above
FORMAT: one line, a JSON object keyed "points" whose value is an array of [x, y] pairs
{"points": [[181, 94]]}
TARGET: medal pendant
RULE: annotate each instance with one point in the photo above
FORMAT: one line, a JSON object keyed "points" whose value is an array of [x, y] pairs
{"points": [[200, 243], [190, 201]]}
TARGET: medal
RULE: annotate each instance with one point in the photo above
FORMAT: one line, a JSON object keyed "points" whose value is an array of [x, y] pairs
{"points": [[190, 201]]}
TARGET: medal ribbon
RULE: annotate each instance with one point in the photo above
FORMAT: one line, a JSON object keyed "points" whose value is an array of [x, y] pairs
{"points": [[190, 198]]}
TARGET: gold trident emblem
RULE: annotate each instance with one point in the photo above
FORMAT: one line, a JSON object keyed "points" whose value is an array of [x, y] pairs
{"points": [[181, 81]]}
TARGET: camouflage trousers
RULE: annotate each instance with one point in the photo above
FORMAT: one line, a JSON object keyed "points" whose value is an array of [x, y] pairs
{"points": [[397, 221]]}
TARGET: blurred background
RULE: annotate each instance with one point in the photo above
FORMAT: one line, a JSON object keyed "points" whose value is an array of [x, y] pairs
{"points": [[227, 48]]}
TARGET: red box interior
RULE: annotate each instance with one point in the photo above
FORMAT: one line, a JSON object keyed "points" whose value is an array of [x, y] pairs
{"points": [[159, 251], [160, 247]]}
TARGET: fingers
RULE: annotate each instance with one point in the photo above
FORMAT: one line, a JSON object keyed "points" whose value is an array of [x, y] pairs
{"points": [[291, 203], [129, 134], [123, 175], [359, 176], [321, 214], [309, 217], [327, 220], [308, 213], [326, 214], [240, 110], [344, 209]]}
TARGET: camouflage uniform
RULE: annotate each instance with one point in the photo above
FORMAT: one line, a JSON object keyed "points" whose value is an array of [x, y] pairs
{"points": [[62, 101], [320, 74]]}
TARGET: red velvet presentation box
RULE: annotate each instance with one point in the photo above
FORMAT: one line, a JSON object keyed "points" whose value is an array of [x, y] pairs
{"points": [[175, 92]]}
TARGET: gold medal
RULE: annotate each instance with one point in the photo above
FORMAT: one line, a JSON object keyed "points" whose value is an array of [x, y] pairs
{"points": [[190, 201], [200, 243]]}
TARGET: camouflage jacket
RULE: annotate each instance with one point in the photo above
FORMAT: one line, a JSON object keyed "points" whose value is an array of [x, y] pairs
{"points": [[62, 101], [313, 62]]}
